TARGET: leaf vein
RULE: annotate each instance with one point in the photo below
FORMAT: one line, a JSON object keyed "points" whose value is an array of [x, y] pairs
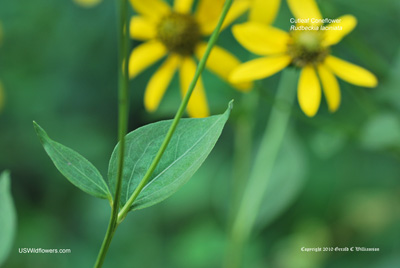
{"points": [[186, 152]]}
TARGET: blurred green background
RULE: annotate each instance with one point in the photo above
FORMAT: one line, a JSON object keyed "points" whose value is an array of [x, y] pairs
{"points": [[336, 182]]}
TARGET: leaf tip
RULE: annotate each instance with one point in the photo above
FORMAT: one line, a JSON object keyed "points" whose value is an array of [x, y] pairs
{"points": [[40, 132], [230, 107], [35, 125]]}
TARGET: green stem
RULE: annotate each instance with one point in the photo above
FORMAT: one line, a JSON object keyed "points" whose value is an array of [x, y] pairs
{"points": [[243, 141], [123, 117], [261, 172], [213, 39]]}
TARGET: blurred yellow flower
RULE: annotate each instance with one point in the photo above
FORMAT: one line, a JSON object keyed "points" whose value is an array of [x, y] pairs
{"points": [[87, 3], [305, 47], [177, 33]]}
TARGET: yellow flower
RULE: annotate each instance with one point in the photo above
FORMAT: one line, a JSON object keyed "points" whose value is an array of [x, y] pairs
{"points": [[306, 49], [87, 3], [176, 33]]}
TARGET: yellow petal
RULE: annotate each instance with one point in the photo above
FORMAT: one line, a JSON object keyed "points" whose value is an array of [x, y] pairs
{"points": [[142, 29], [259, 68], [261, 39], [305, 9], [153, 9], [351, 73], [209, 11], [264, 11], [237, 9], [145, 55], [309, 91], [332, 37], [197, 106], [330, 87], [183, 6], [87, 3], [222, 63], [159, 83]]}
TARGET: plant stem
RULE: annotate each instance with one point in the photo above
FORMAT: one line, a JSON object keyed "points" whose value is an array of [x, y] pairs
{"points": [[261, 172], [123, 118], [213, 39], [243, 141]]}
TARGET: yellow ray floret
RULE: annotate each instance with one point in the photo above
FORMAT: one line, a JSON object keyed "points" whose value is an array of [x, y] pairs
{"points": [[145, 55], [264, 11], [152, 9], [330, 87], [142, 28], [351, 73], [183, 6], [305, 9], [347, 24], [259, 68], [197, 106], [261, 39], [309, 91], [159, 82]]}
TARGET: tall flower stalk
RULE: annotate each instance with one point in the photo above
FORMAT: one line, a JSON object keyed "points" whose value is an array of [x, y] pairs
{"points": [[117, 218], [123, 119], [255, 188]]}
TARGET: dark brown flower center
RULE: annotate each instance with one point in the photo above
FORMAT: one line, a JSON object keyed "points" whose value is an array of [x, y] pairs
{"points": [[179, 33], [305, 48]]}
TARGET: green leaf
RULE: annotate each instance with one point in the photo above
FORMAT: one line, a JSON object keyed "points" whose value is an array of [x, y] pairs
{"points": [[77, 169], [190, 145], [7, 218]]}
